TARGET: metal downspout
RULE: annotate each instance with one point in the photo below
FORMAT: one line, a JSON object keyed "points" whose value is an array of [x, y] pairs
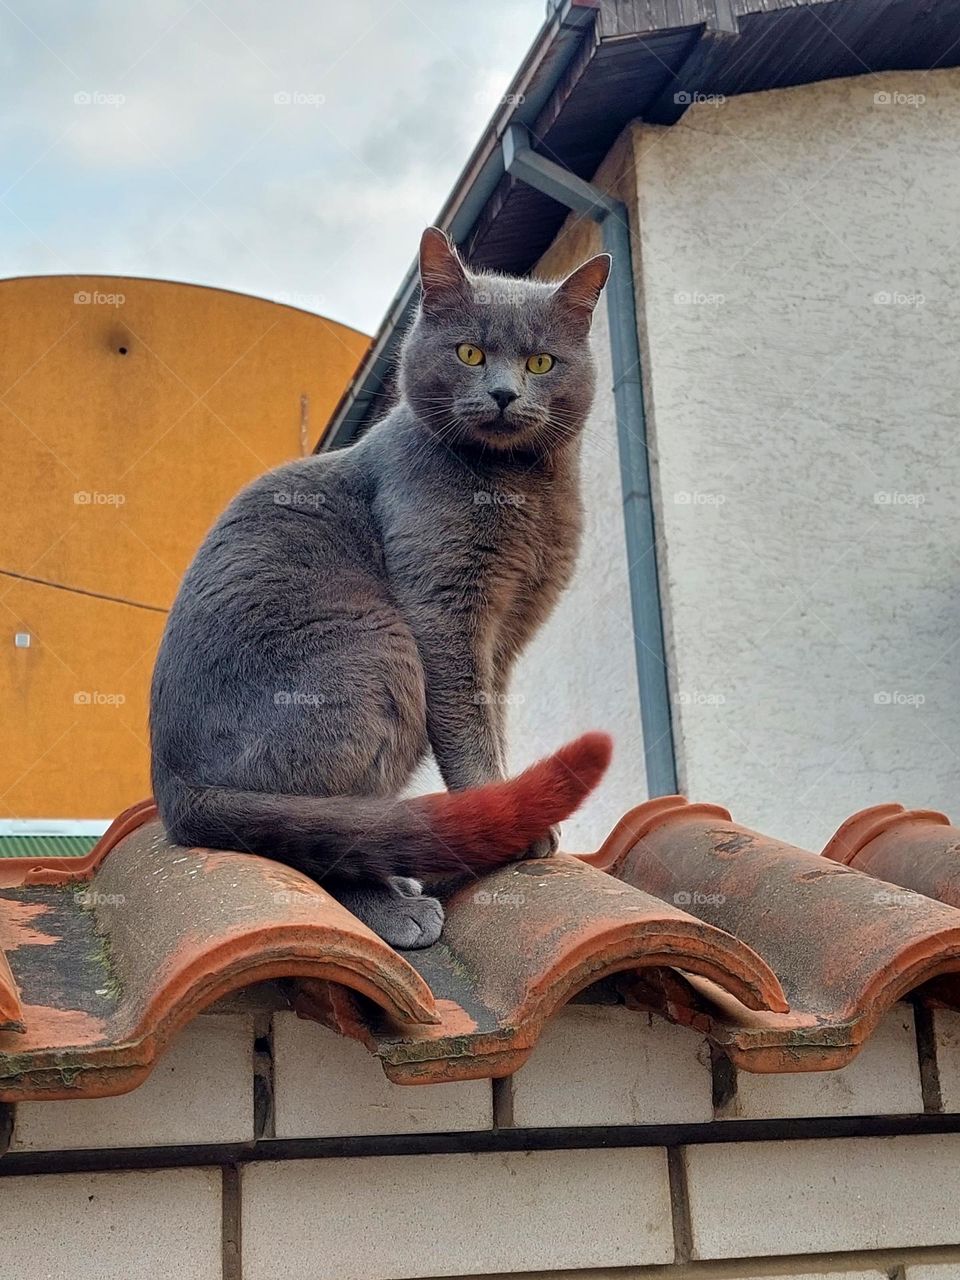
{"points": [[553, 180]]}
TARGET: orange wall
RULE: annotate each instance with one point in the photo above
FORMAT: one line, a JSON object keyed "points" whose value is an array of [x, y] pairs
{"points": [[114, 466]]}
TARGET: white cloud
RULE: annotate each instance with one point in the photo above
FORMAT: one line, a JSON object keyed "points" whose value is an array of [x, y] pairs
{"points": [[293, 148]]}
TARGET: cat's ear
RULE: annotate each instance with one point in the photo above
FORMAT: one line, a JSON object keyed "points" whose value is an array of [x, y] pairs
{"points": [[442, 278], [579, 294]]}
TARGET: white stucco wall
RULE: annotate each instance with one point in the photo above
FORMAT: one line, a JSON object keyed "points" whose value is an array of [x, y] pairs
{"points": [[800, 279]]}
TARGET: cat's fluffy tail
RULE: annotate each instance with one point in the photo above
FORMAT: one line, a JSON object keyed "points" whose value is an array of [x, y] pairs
{"points": [[370, 839]]}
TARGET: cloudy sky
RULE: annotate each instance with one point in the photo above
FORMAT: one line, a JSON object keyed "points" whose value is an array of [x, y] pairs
{"points": [[291, 149]]}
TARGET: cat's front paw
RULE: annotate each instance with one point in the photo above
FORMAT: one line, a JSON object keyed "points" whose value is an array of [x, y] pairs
{"points": [[546, 846], [415, 920], [398, 911], [416, 923]]}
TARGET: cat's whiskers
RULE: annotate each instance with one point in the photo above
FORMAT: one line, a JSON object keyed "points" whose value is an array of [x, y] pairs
{"points": [[592, 438]]}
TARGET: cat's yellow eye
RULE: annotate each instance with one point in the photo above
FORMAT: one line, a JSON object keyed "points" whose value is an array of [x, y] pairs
{"points": [[470, 354], [540, 364]]}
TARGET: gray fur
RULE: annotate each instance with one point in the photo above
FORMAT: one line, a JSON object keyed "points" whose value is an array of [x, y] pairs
{"points": [[399, 910], [352, 611]]}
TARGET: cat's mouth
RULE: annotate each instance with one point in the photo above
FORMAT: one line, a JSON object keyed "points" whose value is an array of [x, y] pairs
{"points": [[504, 429], [503, 426], [500, 424], [500, 435]]}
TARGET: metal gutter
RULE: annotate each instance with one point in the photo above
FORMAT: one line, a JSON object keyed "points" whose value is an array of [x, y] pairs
{"points": [[553, 180], [551, 54]]}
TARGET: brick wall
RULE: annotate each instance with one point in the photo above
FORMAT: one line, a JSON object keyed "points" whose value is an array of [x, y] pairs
{"points": [[268, 1148]]}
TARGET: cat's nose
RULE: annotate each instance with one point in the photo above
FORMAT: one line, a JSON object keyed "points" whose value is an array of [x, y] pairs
{"points": [[503, 396]]}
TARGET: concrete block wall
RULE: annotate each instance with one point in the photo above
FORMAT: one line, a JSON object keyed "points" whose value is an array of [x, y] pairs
{"points": [[200, 1088], [112, 1226], [264, 1147]]}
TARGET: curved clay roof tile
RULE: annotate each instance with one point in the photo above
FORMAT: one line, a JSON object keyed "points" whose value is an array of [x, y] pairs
{"points": [[154, 935], [519, 944], [11, 1012], [844, 945], [917, 849], [151, 933], [786, 960]]}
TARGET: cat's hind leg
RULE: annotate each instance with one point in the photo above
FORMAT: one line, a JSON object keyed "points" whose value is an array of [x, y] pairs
{"points": [[398, 911]]}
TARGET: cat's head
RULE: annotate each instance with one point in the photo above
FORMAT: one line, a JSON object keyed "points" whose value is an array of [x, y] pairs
{"points": [[499, 362]]}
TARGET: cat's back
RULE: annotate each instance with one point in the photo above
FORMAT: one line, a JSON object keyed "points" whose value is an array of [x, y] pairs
{"points": [[301, 512], [293, 538]]}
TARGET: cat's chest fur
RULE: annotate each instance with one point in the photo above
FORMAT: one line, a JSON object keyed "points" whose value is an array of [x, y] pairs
{"points": [[537, 536], [497, 544]]}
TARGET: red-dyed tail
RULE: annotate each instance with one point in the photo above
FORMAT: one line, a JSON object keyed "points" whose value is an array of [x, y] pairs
{"points": [[372, 838], [487, 826]]}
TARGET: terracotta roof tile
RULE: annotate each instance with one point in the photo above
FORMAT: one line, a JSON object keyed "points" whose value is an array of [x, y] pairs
{"points": [[519, 946], [11, 1014], [917, 849], [109, 965], [787, 960], [825, 929], [40, 870]]}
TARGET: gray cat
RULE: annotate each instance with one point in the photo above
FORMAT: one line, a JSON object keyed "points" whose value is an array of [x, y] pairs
{"points": [[352, 611]]}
